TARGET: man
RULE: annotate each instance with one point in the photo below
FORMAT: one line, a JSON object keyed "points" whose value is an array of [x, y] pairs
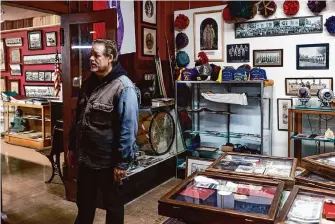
{"points": [[103, 134]]}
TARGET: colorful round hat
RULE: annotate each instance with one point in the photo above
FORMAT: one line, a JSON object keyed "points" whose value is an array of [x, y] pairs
{"points": [[316, 6], [330, 24], [181, 22], [291, 7], [181, 40], [182, 59], [267, 8]]}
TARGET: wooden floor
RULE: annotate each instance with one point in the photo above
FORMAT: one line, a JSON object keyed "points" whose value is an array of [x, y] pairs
{"points": [[27, 199]]}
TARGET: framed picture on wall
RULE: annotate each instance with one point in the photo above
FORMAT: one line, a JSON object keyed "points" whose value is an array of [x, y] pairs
{"points": [[45, 91], [149, 12], [196, 164], [292, 85], [3, 83], [39, 76], [15, 70], [14, 85], [237, 53], [14, 42], [51, 39], [208, 35], [40, 59], [35, 40], [149, 44], [283, 104], [268, 58], [2, 56], [312, 57], [15, 55]]}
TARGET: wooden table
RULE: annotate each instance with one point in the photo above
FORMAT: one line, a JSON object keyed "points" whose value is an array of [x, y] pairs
{"points": [[297, 127]]}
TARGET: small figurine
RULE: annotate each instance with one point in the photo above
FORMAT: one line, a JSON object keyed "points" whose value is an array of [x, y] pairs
{"points": [[19, 123], [329, 134]]}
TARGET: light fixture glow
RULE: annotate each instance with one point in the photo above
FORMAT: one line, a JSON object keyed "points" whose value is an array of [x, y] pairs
{"points": [[81, 47]]}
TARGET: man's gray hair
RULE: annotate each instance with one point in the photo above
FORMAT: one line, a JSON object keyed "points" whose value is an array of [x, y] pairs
{"points": [[110, 48]]}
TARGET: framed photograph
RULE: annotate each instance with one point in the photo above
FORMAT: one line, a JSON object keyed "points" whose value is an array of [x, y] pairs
{"points": [[292, 85], [279, 27], [237, 53], [14, 85], [14, 42], [15, 70], [51, 39], [149, 37], [39, 76], [312, 57], [208, 35], [149, 12], [2, 56], [40, 59], [268, 58], [283, 104], [3, 83], [196, 164], [45, 91], [15, 55], [35, 40]]}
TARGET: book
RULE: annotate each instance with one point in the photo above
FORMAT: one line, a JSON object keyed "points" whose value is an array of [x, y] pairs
{"points": [[198, 193]]}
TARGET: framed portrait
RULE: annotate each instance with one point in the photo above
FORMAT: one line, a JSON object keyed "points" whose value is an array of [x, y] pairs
{"points": [[51, 39], [14, 42], [237, 53], [14, 85], [45, 91], [283, 104], [196, 164], [292, 85], [312, 57], [2, 56], [40, 59], [15, 69], [208, 35], [149, 12], [268, 58], [149, 38], [15, 55], [279, 27], [3, 83], [35, 40]]}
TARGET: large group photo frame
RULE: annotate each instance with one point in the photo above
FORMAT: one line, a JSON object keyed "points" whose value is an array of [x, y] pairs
{"points": [[39, 76], [39, 91], [292, 85], [312, 56], [208, 35], [279, 27], [268, 58], [40, 59]]}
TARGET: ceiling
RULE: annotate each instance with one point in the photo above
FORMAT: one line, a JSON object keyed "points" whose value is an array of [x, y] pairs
{"points": [[14, 13]]}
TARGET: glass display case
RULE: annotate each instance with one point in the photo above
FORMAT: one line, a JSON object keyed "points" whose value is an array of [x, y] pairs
{"points": [[311, 179], [210, 198], [323, 164], [233, 115], [280, 168], [308, 205]]}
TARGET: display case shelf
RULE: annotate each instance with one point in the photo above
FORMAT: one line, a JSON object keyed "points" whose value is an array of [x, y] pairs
{"points": [[310, 179], [249, 137], [323, 164], [312, 139]]}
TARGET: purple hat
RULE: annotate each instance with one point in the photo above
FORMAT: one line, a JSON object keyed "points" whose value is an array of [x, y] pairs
{"points": [[189, 74], [181, 40], [316, 6], [330, 25]]}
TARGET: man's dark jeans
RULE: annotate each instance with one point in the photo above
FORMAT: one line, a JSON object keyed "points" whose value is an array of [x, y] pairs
{"points": [[88, 182]]}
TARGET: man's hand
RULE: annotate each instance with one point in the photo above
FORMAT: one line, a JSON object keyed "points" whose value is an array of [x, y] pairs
{"points": [[69, 158], [119, 174]]}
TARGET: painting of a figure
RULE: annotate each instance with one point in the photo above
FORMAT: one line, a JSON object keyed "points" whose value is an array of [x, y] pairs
{"points": [[209, 34]]}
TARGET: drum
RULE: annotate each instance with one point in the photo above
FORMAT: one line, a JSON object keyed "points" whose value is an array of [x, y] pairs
{"points": [[156, 133]]}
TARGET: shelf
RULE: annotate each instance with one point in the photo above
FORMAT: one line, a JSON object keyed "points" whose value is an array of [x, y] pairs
{"points": [[26, 105], [312, 139], [244, 136], [38, 119], [210, 112]]}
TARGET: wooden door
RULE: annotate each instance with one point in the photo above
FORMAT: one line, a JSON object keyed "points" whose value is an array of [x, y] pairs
{"points": [[78, 32]]}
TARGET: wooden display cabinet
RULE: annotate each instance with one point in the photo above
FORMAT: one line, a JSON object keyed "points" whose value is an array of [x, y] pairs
{"points": [[310, 179], [230, 162], [305, 200], [41, 126], [229, 199], [323, 164]]}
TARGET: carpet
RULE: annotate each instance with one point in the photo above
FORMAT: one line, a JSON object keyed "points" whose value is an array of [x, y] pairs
{"points": [[173, 221]]}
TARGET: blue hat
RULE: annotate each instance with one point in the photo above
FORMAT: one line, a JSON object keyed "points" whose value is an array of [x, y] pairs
{"points": [[182, 59], [330, 25]]}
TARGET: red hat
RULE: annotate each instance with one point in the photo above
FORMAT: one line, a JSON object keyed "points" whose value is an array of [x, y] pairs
{"points": [[181, 22], [291, 7]]}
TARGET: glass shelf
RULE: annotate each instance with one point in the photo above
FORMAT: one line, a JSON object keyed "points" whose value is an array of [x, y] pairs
{"points": [[312, 139], [244, 136]]}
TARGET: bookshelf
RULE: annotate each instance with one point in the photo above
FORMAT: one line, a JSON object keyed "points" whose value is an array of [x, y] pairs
{"points": [[39, 118]]}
